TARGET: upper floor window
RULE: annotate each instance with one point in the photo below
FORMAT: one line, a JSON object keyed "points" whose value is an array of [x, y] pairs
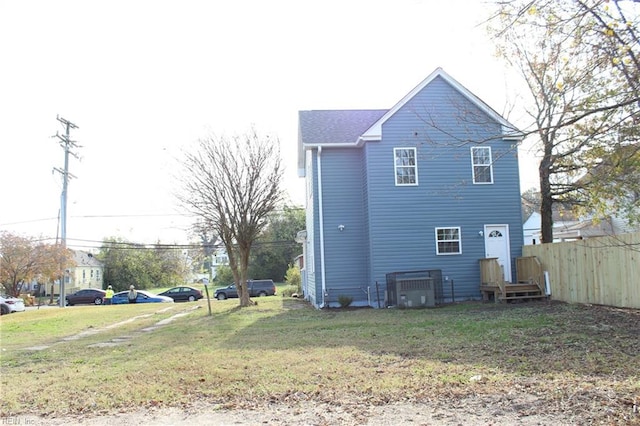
{"points": [[448, 241], [406, 167], [482, 165]]}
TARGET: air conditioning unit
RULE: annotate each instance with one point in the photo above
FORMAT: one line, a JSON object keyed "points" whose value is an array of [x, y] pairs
{"points": [[414, 289], [415, 293]]}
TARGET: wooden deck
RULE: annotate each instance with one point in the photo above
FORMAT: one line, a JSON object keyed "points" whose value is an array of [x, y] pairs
{"points": [[530, 283]]}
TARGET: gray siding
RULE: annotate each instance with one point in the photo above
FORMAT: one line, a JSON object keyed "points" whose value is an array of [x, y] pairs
{"points": [[389, 228], [439, 123], [343, 203]]}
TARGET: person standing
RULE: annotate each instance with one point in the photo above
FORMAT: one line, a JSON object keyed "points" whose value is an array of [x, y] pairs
{"points": [[108, 295], [133, 294]]}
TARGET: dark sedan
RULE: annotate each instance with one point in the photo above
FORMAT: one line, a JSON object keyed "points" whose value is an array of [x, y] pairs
{"points": [[86, 296], [183, 294]]}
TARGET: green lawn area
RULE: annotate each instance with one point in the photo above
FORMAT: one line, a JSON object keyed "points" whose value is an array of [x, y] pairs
{"points": [[95, 359]]}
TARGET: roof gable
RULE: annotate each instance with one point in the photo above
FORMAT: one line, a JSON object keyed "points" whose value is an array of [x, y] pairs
{"points": [[83, 258], [332, 127], [375, 131], [351, 128]]}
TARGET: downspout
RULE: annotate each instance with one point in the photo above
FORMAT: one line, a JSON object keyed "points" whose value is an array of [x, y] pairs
{"points": [[321, 220]]}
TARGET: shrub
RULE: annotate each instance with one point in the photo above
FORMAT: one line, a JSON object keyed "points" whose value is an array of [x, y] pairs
{"points": [[224, 275], [345, 301], [288, 290], [293, 278]]}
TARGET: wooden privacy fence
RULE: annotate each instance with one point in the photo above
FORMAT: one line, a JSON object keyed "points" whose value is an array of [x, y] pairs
{"points": [[603, 270]]}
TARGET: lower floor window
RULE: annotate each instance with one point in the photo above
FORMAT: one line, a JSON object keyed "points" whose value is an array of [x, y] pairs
{"points": [[448, 241]]}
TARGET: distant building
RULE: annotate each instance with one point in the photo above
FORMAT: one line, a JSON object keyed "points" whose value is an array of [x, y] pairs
{"points": [[87, 272]]}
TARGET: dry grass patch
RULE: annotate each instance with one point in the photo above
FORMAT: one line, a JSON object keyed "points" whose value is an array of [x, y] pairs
{"points": [[551, 357]]}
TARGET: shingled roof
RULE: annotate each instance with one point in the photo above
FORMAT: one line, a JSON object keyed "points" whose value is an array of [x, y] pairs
{"points": [[83, 258], [336, 126]]}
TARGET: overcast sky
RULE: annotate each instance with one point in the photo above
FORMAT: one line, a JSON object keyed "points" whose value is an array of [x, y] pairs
{"points": [[144, 79]]}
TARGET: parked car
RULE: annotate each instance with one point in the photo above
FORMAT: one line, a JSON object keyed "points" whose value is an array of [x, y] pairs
{"points": [[257, 288], [183, 294], [11, 304], [86, 296], [143, 297]]}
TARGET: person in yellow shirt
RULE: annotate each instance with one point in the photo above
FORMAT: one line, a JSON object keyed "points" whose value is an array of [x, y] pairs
{"points": [[108, 295]]}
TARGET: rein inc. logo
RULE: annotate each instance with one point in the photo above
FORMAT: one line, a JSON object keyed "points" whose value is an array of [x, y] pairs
{"points": [[15, 420]]}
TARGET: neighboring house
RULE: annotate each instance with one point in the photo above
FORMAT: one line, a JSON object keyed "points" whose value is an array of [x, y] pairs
{"points": [[88, 271], [531, 229], [562, 220], [430, 184], [301, 238], [220, 258], [567, 227], [589, 228], [217, 258]]}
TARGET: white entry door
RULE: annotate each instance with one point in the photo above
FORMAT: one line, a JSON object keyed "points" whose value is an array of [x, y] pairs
{"points": [[496, 244]]}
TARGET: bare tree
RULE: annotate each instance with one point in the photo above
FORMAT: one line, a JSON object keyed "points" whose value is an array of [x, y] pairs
{"points": [[231, 184], [584, 91]]}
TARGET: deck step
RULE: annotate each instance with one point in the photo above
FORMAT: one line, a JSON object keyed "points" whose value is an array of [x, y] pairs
{"points": [[537, 296]]}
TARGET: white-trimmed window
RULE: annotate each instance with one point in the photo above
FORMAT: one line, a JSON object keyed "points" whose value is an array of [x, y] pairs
{"points": [[481, 164], [448, 241], [406, 166]]}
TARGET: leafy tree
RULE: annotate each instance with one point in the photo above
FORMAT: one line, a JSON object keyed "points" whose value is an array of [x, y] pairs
{"points": [[127, 263], [276, 248], [123, 265], [22, 259], [231, 185], [579, 61], [171, 264], [614, 185], [530, 202]]}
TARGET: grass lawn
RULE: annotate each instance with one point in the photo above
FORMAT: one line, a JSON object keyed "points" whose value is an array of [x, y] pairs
{"points": [[97, 359]]}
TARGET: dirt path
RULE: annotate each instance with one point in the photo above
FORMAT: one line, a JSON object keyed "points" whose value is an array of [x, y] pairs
{"points": [[472, 412]]}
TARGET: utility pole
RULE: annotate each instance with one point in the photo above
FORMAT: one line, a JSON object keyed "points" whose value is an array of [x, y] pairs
{"points": [[66, 144]]}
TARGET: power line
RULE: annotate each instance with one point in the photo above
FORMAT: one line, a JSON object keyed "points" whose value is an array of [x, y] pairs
{"points": [[112, 216]]}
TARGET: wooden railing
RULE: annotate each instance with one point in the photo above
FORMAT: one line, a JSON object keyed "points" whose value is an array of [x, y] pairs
{"points": [[529, 270], [530, 283], [491, 272]]}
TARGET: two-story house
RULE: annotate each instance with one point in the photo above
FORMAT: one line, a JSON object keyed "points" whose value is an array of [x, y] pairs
{"points": [[87, 272], [430, 184]]}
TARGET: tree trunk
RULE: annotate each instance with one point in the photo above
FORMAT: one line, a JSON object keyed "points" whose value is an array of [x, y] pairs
{"points": [[245, 300], [546, 198]]}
